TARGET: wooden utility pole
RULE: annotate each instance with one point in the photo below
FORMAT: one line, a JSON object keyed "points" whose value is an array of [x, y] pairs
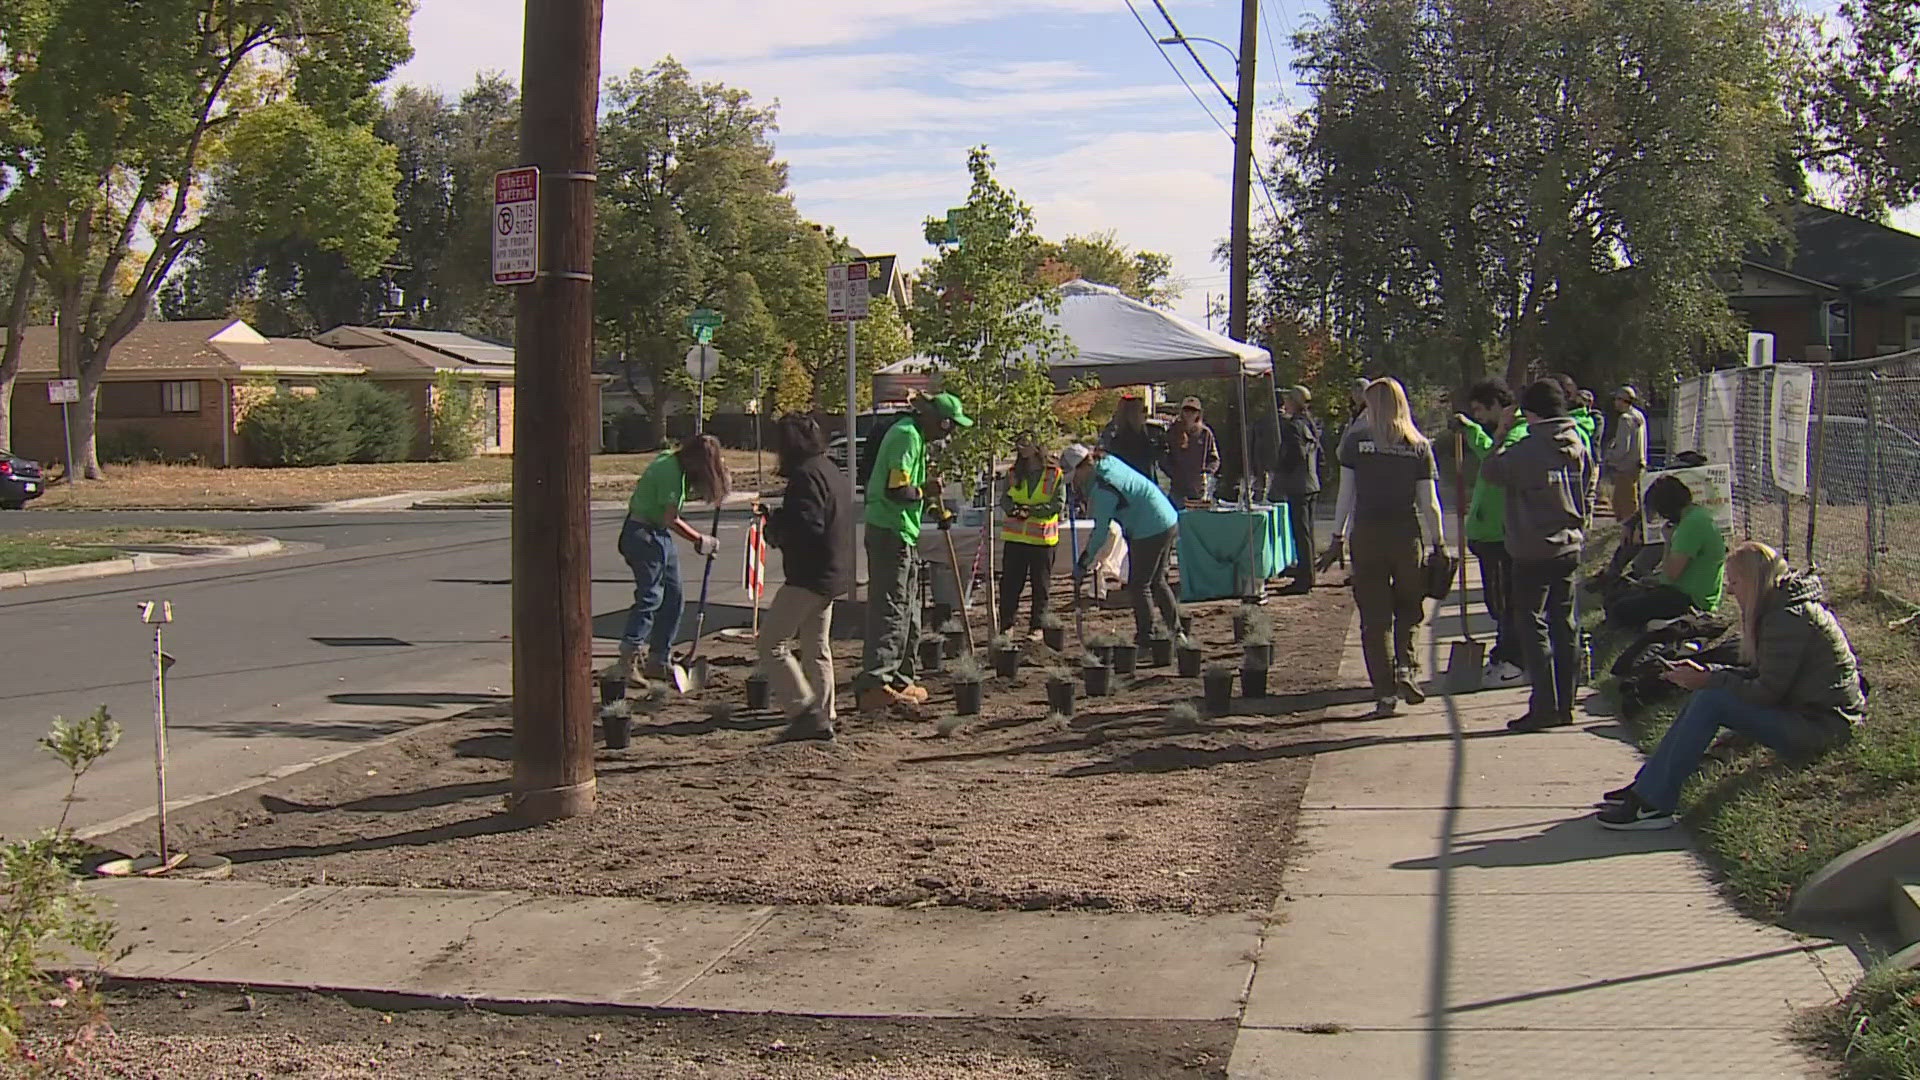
{"points": [[1240, 248], [553, 345]]}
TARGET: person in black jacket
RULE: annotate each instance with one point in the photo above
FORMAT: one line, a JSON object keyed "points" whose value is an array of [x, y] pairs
{"points": [[812, 532], [1297, 481]]}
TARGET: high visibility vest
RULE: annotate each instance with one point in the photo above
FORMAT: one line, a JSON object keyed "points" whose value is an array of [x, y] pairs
{"points": [[1041, 531]]}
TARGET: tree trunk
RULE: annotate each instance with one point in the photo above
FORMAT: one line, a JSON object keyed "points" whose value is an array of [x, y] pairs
{"points": [[17, 305], [85, 415]]}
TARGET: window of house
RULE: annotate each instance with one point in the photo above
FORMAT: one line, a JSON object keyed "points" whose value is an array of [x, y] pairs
{"points": [[490, 420], [1840, 329], [180, 397], [129, 400]]}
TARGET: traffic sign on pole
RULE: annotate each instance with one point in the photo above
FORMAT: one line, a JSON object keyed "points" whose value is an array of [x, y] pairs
{"points": [[516, 226], [848, 295], [703, 322], [63, 391], [703, 362]]}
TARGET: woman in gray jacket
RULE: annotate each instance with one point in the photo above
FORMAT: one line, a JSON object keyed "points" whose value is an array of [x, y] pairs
{"points": [[1798, 692]]}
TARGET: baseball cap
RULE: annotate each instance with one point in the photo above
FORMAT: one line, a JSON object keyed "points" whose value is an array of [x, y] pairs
{"points": [[1193, 403], [948, 407], [1072, 456], [1628, 392], [1305, 395]]}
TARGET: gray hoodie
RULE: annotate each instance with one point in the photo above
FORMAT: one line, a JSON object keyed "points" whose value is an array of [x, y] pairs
{"points": [[1549, 477]]}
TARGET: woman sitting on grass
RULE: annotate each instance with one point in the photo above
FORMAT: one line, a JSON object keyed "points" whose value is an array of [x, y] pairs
{"points": [[1799, 690]]}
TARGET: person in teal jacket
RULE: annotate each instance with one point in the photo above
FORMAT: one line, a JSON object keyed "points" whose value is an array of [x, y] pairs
{"points": [[1487, 403], [1148, 521]]}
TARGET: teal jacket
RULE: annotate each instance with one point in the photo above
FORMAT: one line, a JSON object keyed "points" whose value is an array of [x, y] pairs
{"points": [[1121, 494], [1487, 513]]}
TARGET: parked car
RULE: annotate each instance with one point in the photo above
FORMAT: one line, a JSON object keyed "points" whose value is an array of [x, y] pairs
{"points": [[1844, 462], [869, 429], [20, 481]]}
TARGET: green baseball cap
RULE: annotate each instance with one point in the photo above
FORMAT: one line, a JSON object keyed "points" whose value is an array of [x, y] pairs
{"points": [[948, 407]]}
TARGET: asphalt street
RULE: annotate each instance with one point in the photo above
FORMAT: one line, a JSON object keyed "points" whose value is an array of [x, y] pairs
{"points": [[369, 624]]}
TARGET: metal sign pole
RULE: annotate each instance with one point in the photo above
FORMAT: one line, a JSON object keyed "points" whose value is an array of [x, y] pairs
{"points": [[66, 422], [853, 450]]}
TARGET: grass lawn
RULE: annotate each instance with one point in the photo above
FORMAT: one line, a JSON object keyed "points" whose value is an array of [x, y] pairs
{"points": [[1876, 1030], [603, 490], [41, 549], [190, 486]]}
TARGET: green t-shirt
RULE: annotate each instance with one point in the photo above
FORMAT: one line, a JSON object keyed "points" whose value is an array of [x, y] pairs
{"points": [[660, 491], [1697, 536], [902, 462]]}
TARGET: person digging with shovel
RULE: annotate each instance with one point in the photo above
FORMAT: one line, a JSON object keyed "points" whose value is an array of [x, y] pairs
{"points": [[695, 470], [898, 497]]}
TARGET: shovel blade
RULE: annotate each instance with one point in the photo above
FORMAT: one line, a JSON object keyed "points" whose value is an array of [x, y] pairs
{"points": [[689, 676], [1466, 660]]}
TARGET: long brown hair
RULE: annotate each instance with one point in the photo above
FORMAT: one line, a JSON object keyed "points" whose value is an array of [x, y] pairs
{"points": [[1753, 571], [1131, 415], [706, 467], [1389, 416]]}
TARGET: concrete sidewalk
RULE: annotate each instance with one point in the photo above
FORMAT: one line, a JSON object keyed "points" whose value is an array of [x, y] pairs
{"points": [[1569, 951], [589, 952]]}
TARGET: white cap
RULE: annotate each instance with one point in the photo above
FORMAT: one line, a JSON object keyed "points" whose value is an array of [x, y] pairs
{"points": [[1072, 456]]}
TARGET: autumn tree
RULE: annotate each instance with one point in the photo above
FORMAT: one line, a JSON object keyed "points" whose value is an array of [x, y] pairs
{"points": [[1865, 105], [1101, 258], [121, 117], [1493, 183]]}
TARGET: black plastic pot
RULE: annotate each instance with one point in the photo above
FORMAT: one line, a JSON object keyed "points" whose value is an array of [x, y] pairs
{"points": [[1219, 691], [759, 692], [1253, 682], [1125, 659], [1099, 680], [956, 643], [616, 728], [1239, 627], [1103, 652], [1257, 656], [1190, 660], [933, 655], [1060, 694], [966, 698], [1160, 652], [612, 688], [1006, 662], [1054, 637], [1186, 626]]}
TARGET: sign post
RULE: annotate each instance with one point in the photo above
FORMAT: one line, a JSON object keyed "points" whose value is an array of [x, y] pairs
{"points": [[516, 226], [849, 301], [64, 393]]}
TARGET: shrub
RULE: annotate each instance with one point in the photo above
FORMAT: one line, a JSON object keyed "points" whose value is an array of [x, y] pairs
{"points": [[298, 431], [382, 424], [456, 420], [128, 446]]}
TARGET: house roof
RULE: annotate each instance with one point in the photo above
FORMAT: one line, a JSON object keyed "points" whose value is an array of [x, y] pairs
{"points": [[213, 348], [399, 352], [1844, 253]]}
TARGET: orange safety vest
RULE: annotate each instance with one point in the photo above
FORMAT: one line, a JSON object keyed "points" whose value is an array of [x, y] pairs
{"points": [[1036, 530]]}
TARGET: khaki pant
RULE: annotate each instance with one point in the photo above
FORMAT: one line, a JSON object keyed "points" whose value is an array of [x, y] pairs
{"points": [[1390, 589], [1626, 495], [803, 617]]}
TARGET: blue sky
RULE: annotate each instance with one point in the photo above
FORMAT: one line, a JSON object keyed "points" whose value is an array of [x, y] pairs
{"points": [[877, 111]]}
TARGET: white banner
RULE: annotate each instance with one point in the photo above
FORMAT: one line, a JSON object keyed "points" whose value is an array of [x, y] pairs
{"points": [[1712, 487], [1722, 415], [1792, 417], [1686, 417]]}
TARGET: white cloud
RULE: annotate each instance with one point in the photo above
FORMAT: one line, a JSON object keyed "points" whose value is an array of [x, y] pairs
{"points": [[1029, 76]]}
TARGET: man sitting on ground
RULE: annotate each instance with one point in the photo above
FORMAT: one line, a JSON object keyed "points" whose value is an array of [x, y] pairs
{"points": [[1693, 573]]}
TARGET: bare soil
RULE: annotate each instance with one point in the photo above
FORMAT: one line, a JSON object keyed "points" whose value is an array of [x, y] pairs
{"points": [[194, 1033], [1121, 807]]}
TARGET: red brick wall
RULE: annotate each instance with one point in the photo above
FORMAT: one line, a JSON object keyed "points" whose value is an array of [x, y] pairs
{"points": [[1791, 321], [38, 432]]}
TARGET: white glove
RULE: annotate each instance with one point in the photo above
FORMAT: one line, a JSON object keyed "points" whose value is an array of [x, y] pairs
{"points": [[707, 546]]}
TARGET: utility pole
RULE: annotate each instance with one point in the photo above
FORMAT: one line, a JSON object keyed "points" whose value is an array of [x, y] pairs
{"points": [[553, 345], [1240, 250]]}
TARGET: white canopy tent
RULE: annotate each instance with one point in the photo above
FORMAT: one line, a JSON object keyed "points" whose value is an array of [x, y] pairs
{"points": [[1112, 340]]}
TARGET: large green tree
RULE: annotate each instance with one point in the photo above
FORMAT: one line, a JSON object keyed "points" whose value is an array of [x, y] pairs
{"points": [[980, 314], [1500, 183], [120, 117], [1101, 257], [1865, 104]]}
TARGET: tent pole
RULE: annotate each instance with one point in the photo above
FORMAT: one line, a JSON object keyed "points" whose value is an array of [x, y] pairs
{"points": [[1246, 482]]}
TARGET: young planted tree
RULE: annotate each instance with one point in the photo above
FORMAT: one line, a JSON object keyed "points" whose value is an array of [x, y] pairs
{"points": [[122, 117]]}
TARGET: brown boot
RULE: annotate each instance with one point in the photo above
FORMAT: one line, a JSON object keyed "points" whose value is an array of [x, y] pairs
{"points": [[886, 701], [913, 694]]}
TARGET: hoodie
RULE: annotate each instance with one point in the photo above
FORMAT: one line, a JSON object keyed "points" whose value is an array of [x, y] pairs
{"points": [[810, 528], [1803, 662], [1587, 424], [1549, 479], [1487, 512]]}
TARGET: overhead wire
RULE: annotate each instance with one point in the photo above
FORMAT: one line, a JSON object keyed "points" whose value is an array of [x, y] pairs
{"points": [[1175, 68]]}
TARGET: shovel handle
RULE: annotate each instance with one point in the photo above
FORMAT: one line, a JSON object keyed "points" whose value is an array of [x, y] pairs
{"points": [[706, 580], [1460, 517]]}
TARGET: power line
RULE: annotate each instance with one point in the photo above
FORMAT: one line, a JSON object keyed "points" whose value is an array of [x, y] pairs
{"points": [[1191, 51], [1162, 50]]}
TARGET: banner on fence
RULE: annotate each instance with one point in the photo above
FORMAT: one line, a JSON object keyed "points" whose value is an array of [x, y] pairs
{"points": [[1712, 487], [1722, 416], [1792, 418], [1686, 417]]}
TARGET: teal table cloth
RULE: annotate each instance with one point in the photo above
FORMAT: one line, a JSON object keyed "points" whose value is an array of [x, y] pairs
{"points": [[1221, 549]]}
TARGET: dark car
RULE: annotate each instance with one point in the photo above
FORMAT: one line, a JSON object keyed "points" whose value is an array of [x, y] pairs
{"points": [[20, 481], [870, 428]]}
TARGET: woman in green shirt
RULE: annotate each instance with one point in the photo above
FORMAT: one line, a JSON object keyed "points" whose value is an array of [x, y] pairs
{"points": [[1692, 575], [694, 471]]}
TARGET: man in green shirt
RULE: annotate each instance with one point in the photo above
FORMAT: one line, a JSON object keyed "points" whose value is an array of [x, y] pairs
{"points": [[1488, 403], [898, 494], [1692, 575]]}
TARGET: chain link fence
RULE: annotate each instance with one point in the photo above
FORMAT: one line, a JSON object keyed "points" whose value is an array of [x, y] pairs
{"points": [[1821, 461]]}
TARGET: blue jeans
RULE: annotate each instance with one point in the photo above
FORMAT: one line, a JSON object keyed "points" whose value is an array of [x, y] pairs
{"points": [[1707, 711], [654, 619]]}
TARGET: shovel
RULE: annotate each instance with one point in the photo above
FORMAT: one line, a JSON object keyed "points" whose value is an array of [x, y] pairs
{"points": [[1467, 659], [1073, 545], [688, 674]]}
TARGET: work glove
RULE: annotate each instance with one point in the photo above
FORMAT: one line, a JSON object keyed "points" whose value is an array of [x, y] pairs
{"points": [[1336, 553], [943, 518], [707, 546]]}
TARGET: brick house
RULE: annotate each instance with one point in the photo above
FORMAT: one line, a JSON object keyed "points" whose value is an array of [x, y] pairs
{"points": [[171, 386], [410, 362], [1848, 282]]}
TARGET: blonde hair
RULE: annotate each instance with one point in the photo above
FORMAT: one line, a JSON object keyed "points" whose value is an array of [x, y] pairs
{"points": [[1389, 416], [1753, 571]]}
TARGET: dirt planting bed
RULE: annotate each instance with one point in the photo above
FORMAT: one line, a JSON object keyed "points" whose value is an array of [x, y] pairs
{"points": [[1130, 804]]}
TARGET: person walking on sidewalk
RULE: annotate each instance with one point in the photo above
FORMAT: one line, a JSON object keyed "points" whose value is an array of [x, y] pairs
{"points": [[1389, 498], [1297, 481], [810, 529], [1798, 689], [1489, 405], [1627, 453], [1193, 454], [1030, 532], [898, 495], [696, 470], [1692, 575], [1549, 478], [1149, 524]]}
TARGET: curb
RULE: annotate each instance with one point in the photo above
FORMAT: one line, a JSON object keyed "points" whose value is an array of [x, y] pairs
{"points": [[154, 557], [133, 508]]}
